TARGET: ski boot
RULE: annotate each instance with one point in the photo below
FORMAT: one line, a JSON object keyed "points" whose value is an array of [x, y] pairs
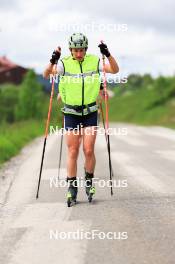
{"points": [[90, 189], [72, 191]]}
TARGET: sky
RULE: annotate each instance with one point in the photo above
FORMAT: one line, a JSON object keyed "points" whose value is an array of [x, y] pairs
{"points": [[139, 34]]}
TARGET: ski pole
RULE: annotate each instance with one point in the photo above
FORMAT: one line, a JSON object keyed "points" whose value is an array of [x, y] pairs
{"points": [[61, 146], [103, 121], [46, 134], [107, 120]]}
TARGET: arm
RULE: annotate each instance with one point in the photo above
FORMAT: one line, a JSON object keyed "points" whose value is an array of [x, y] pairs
{"points": [[50, 69], [112, 67]]}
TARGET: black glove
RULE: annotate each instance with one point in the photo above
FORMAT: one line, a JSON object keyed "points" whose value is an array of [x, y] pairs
{"points": [[104, 49], [55, 57]]}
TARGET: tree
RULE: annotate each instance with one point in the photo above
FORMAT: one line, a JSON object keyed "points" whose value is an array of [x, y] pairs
{"points": [[8, 102], [30, 98]]}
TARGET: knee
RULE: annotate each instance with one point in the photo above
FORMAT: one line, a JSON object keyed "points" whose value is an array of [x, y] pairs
{"points": [[73, 153], [88, 152]]}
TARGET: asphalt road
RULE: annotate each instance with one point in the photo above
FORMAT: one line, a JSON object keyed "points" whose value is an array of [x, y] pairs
{"points": [[134, 226]]}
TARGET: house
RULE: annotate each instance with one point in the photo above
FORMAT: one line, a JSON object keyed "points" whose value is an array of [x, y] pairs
{"points": [[11, 72]]}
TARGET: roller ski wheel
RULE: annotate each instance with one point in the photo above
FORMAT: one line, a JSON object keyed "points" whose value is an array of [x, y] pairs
{"points": [[90, 189], [70, 201], [72, 192], [90, 194]]}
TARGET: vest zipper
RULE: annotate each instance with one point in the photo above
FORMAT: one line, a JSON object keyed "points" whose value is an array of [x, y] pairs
{"points": [[82, 87]]}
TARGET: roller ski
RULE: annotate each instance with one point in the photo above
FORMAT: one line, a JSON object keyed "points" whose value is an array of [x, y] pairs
{"points": [[72, 191], [90, 189]]}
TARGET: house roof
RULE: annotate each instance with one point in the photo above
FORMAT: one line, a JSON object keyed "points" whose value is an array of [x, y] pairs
{"points": [[6, 64]]}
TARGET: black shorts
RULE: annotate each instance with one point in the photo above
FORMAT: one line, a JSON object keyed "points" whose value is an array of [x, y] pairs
{"points": [[75, 121]]}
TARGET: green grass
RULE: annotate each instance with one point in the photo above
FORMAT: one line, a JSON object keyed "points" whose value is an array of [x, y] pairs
{"points": [[143, 107], [14, 137]]}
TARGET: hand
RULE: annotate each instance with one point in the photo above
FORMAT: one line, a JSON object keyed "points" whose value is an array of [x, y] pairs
{"points": [[104, 49], [55, 56]]}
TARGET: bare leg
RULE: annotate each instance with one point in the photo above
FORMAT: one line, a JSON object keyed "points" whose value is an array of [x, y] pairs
{"points": [[89, 137], [73, 144]]}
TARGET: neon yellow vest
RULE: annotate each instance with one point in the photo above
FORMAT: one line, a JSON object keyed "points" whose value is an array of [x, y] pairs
{"points": [[80, 83]]}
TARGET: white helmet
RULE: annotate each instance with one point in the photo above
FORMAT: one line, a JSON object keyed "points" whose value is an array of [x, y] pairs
{"points": [[78, 41]]}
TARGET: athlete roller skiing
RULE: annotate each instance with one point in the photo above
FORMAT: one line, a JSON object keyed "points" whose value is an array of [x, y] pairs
{"points": [[79, 88]]}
